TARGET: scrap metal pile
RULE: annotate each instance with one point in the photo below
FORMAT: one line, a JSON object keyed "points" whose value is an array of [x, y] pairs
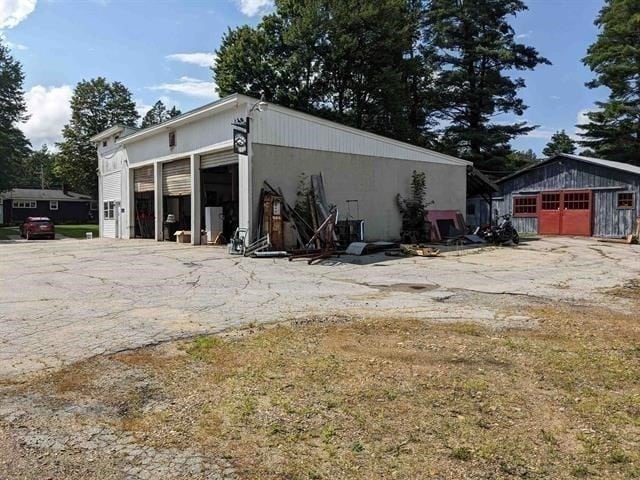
{"points": [[282, 231]]}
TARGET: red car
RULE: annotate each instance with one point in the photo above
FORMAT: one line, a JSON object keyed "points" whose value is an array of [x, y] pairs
{"points": [[38, 227]]}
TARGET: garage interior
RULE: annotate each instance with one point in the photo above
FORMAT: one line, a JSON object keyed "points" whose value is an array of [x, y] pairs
{"points": [[143, 202], [220, 200], [176, 197]]}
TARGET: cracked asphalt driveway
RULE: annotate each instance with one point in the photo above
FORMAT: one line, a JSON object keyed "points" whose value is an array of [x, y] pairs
{"points": [[68, 300]]}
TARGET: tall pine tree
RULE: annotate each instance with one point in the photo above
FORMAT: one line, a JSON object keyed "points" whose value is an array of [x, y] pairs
{"points": [[560, 143], [614, 128], [158, 114], [475, 46], [95, 106], [14, 147], [352, 61]]}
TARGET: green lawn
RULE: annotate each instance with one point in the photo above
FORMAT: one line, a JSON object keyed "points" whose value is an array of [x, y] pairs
{"points": [[71, 231], [77, 231], [6, 231]]}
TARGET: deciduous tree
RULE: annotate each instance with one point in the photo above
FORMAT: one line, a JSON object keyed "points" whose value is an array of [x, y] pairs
{"points": [[95, 106]]}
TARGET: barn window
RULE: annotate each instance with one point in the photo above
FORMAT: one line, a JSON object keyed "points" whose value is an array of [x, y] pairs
{"points": [[550, 201], [576, 201], [172, 139], [109, 210], [625, 199], [53, 205], [525, 206]]}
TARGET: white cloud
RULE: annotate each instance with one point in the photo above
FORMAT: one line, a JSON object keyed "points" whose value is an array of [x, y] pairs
{"points": [[142, 108], [199, 58], [11, 45], [554, 97], [525, 35], [49, 110], [192, 87], [543, 133], [251, 8], [12, 12]]}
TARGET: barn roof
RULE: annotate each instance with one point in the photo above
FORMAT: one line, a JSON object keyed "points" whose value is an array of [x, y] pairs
{"points": [[625, 167], [44, 194]]}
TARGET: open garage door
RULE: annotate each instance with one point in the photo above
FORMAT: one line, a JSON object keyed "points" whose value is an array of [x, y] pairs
{"points": [[144, 204], [176, 197]]}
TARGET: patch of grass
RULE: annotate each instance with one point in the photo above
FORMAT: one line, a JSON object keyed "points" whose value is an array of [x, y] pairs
{"points": [[202, 347], [461, 453], [78, 231], [397, 398], [7, 232]]}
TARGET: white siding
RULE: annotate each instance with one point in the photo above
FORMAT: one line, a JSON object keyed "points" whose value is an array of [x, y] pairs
{"points": [[287, 128], [373, 181], [111, 190], [207, 131]]}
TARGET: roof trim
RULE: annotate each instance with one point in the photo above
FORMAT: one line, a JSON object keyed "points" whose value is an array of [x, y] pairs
{"points": [[187, 117], [107, 133], [237, 99], [623, 167], [356, 131]]}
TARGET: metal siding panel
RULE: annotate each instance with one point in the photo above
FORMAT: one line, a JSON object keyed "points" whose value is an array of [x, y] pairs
{"points": [[219, 158], [176, 178], [143, 179]]}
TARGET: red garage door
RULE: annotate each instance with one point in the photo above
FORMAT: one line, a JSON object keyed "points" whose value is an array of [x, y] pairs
{"points": [[565, 213]]}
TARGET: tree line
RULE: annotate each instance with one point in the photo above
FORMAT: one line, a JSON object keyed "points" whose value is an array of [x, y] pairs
{"points": [[442, 74]]}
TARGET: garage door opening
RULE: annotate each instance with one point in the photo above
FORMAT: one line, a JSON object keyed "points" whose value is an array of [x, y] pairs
{"points": [[143, 202], [176, 198], [220, 205]]}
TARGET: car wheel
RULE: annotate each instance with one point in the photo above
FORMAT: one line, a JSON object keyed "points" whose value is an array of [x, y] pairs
{"points": [[52, 237]]}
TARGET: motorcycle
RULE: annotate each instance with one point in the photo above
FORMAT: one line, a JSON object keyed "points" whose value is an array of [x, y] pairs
{"points": [[500, 234]]}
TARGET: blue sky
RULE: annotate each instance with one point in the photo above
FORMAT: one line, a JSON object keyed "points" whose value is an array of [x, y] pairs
{"points": [[161, 49]]}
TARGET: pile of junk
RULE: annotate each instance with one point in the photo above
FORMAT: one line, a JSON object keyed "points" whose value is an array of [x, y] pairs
{"points": [[312, 230]]}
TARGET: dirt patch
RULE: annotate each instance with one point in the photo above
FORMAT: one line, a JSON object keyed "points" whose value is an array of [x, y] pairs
{"points": [[351, 398], [630, 290]]}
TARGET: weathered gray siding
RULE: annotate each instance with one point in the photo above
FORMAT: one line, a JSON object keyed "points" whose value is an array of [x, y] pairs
{"points": [[569, 174]]}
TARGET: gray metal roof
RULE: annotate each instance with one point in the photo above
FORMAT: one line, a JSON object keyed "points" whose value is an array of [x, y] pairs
{"points": [[625, 167], [38, 194]]}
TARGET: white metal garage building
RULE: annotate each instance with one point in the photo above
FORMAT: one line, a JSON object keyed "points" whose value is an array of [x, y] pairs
{"points": [[183, 164]]}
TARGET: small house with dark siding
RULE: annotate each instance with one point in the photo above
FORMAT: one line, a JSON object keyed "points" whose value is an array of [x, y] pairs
{"points": [[60, 206], [572, 195]]}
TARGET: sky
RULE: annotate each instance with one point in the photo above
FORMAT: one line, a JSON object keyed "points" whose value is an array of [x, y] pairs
{"points": [[162, 49]]}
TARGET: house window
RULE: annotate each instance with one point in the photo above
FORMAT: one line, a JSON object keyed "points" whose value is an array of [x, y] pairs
{"points": [[109, 213], [525, 206], [25, 204], [53, 205], [625, 199], [172, 139]]}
